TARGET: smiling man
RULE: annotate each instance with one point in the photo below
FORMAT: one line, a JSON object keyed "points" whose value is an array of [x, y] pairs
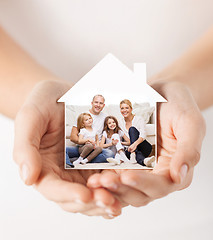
{"points": [[97, 105], [97, 114]]}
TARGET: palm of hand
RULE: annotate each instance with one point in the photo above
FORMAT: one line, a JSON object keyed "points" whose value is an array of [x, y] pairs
{"points": [[181, 129], [68, 187], [179, 142], [42, 142]]}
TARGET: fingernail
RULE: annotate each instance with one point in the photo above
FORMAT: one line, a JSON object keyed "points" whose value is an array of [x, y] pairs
{"points": [[110, 212], [113, 186], [24, 172], [183, 172], [110, 216], [79, 201], [100, 204]]}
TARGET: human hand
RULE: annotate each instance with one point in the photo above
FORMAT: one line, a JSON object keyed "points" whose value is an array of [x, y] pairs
{"points": [[181, 130], [39, 153], [90, 140], [114, 141], [132, 148]]}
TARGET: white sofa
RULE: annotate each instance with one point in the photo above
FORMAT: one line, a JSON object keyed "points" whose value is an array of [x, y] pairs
{"points": [[143, 109]]}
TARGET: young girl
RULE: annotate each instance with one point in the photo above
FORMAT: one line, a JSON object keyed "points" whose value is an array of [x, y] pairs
{"points": [[88, 139], [111, 139]]}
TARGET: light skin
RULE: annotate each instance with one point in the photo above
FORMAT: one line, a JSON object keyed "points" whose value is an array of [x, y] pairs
{"points": [[179, 144], [111, 126], [39, 152], [33, 92], [87, 123], [126, 112], [38, 147], [97, 105], [186, 85]]}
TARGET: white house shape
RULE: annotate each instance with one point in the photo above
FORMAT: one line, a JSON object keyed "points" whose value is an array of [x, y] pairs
{"points": [[115, 81]]}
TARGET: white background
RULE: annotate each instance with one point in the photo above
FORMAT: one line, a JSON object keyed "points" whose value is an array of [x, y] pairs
{"points": [[70, 37]]}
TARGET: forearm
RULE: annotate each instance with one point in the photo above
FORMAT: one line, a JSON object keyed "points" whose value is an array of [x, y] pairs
{"points": [[138, 141], [19, 73], [74, 139], [194, 69], [106, 145], [82, 141]]}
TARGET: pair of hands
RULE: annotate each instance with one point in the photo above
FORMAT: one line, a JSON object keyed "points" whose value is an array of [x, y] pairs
{"points": [[39, 153]]}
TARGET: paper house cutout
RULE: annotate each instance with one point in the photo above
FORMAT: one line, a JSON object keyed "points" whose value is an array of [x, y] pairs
{"points": [[115, 81]]}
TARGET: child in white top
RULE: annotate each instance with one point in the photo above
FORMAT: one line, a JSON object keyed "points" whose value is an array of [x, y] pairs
{"points": [[88, 139], [111, 139]]}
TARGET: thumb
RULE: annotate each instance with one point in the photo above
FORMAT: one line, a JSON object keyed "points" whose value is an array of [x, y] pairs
{"points": [[184, 159], [26, 144], [190, 134]]}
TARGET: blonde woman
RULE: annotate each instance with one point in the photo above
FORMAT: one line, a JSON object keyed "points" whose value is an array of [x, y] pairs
{"points": [[134, 127]]}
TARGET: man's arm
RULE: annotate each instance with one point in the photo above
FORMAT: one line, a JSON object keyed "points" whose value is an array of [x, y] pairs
{"points": [[74, 135]]}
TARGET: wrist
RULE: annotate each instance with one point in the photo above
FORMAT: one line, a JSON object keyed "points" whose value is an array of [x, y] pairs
{"points": [[54, 88], [168, 84]]}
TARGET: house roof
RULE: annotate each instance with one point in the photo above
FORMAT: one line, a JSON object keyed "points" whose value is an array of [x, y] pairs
{"points": [[115, 81]]}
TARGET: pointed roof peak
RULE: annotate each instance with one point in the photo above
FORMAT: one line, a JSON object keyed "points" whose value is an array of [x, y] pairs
{"points": [[115, 81]]}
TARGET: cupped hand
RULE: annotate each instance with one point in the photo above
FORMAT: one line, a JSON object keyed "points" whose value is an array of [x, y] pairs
{"points": [[181, 129], [39, 153]]}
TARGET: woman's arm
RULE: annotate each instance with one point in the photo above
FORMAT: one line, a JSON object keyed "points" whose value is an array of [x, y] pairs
{"points": [[194, 69], [133, 146], [30, 92], [127, 140], [180, 126], [19, 73]]}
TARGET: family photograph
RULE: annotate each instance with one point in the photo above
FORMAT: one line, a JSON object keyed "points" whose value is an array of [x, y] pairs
{"points": [[113, 136]]}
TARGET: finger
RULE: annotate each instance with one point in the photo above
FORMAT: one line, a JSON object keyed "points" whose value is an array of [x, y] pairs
{"points": [[103, 198], [78, 207], [28, 132], [103, 204], [189, 141], [126, 194], [58, 190], [107, 212], [182, 161], [152, 185], [94, 181]]}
